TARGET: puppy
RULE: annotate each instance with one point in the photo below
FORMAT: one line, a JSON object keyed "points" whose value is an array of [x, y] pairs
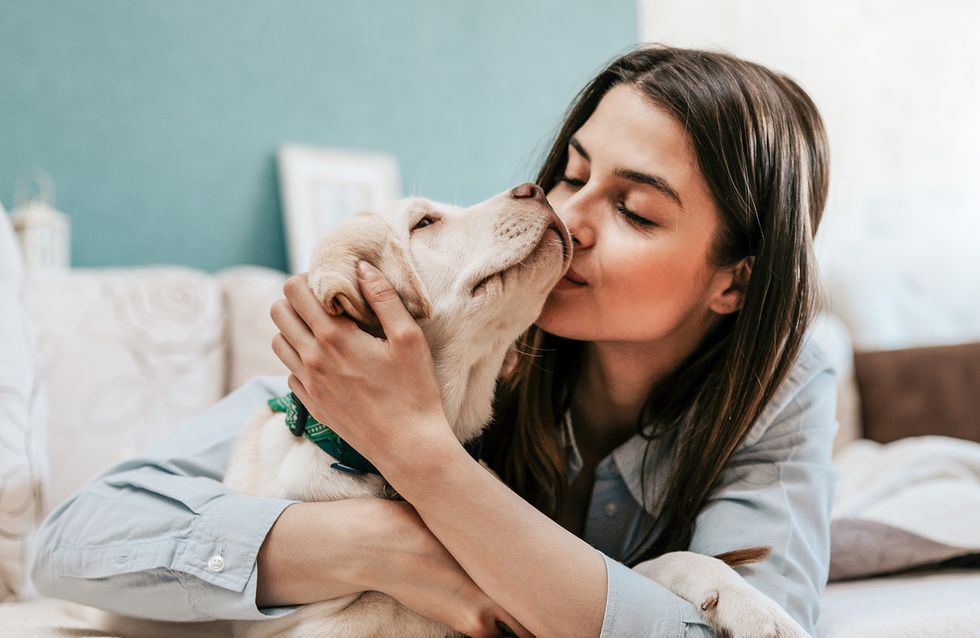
{"points": [[474, 279]]}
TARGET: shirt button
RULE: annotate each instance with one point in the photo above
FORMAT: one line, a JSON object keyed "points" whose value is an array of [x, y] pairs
{"points": [[611, 509], [217, 563]]}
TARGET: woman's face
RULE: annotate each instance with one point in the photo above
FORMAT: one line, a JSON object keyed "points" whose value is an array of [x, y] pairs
{"points": [[634, 199]]}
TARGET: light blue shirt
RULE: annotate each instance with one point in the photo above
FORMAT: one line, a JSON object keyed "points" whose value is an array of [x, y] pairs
{"points": [[160, 536]]}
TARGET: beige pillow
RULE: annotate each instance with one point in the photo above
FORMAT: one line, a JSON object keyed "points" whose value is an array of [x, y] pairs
{"points": [[249, 292], [141, 355], [23, 414]]}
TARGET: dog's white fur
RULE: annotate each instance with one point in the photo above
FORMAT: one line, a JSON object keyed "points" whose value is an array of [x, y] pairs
{"points": [[435, 268]]}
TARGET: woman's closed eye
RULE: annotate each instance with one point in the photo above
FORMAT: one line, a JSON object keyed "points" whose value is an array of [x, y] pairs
{"points": [[633, 217], [629, 215]]}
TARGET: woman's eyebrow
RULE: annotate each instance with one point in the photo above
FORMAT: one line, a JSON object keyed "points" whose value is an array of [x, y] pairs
{"points": [[659, 183]]}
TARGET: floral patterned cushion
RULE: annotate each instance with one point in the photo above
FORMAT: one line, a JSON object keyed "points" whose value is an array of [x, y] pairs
{"points": [[131, 354], [22, 420]]}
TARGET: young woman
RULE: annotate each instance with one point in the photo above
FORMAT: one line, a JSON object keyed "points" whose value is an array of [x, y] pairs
{"points": [[668, 397]]}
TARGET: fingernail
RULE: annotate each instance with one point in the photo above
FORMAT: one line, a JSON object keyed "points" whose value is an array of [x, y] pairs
{"points": [[364, 269]]}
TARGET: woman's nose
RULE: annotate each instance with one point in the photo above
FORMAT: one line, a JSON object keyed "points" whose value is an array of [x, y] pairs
{"points": [[576, 221]]}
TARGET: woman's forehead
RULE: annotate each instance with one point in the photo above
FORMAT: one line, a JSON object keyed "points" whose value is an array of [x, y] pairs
{"points": [[631, 132], [628, 128]]}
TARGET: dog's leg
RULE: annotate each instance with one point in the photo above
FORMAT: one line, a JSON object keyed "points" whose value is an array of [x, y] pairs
{"points": [[728, 604]]}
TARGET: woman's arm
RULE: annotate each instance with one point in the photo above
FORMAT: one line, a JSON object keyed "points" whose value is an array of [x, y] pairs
{"points": [[778, 491], [144, 537], [550, 580], [141, 540], [319, 551]]}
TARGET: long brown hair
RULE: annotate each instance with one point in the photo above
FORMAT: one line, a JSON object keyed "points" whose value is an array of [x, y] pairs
{"points": [[762, 149]]}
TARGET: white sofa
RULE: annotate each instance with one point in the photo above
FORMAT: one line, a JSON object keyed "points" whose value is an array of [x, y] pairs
{"points": [[130, 354]]}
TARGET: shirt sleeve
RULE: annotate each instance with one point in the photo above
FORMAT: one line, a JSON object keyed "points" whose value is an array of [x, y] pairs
{"points": [[777, 491], [159, 536]]}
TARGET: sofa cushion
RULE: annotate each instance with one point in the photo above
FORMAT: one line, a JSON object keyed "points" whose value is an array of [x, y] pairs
{"points": [[918, 391], [249, 292], [51, 618], [919, 605], [46, 618], [131, 355], [22, 420]]}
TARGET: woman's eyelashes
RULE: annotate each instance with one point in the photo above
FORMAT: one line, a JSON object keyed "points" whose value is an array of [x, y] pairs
{"points": [[629, 215], [633, 217], [576, 183]]}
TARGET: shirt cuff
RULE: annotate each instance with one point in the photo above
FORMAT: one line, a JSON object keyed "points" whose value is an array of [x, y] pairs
{"points": [[222, 553], [638, 606]]}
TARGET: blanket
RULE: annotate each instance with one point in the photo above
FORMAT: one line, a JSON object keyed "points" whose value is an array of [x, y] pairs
{"points": [[907, 504]]}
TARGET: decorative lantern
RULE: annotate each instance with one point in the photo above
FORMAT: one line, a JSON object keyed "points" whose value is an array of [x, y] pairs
{"points": [[43, 232]]}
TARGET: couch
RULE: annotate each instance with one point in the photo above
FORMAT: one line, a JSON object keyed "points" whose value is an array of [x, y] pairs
{"points": [[115, 359]]}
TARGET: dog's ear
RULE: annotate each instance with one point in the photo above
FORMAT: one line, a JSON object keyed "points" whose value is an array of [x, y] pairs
{"points": [[333, 270]]}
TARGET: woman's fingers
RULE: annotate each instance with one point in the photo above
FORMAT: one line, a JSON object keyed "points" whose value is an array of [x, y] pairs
{"points": [[302, 300], [296, 331], [286, 353], [297, 388], [396, 322]]}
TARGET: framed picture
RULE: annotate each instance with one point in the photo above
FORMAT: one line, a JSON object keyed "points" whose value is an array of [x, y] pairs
{"points": [[320, 187]]}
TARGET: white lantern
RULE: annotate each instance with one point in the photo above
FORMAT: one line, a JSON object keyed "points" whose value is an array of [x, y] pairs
{"points": [[44, 233]]}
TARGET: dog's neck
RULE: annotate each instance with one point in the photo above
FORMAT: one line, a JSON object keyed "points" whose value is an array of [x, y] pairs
{"points": [[468, 382]]}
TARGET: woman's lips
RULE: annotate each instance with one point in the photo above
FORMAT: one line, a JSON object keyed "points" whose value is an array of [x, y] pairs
{"points": [[574, 277], [569, 281]]}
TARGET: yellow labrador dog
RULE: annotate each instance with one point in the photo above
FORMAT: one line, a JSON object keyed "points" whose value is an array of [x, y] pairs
{"points": [[475, 279]]}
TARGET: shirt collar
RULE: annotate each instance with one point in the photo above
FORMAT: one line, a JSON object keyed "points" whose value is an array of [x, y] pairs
{"points": [[624, 462]]}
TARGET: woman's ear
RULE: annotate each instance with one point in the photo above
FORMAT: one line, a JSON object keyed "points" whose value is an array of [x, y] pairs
{"points": [[733, 281]]}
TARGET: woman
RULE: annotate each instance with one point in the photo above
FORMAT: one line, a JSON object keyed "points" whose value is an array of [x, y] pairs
{"points": [[669, 399]]}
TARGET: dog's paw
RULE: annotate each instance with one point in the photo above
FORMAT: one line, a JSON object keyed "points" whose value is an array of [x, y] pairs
{"points": [[731, 606], [744, 612]]}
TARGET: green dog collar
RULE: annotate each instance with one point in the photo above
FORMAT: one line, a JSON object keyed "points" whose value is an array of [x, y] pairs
{"points": [[300, 422]]}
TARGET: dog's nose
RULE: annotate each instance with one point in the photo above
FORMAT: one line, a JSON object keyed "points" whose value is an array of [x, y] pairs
{"points": [[528, 191]]}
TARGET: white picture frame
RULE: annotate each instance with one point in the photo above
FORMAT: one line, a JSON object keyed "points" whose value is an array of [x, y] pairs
{"points": [[320, 187]]}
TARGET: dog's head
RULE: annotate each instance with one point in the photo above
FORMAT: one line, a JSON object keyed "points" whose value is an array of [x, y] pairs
{"points": [[464, 273]]}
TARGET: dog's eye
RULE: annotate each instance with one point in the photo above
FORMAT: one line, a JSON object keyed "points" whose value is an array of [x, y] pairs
{"points": [[425, 221]]}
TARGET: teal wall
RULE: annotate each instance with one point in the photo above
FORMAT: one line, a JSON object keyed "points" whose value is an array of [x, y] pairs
{"points": [[159, 121]]}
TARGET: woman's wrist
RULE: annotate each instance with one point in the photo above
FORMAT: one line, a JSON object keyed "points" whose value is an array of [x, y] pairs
{"points": [[385, 539], [318, 551], [418, 463]]}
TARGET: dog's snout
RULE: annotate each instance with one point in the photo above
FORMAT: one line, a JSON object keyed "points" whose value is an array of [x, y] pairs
{"points": [[528, 191]]}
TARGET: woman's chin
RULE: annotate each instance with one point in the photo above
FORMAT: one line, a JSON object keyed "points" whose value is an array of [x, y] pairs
{"points": [[553, 321]]}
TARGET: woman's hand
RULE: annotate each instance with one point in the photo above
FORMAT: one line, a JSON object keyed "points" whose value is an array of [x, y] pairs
{"points": [[322, 551], [379, 395], [414, 568]]}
